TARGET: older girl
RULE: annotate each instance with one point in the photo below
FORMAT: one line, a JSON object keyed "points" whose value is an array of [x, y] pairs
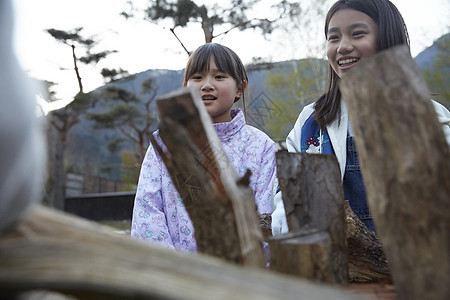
{"points": [[355, 30]]}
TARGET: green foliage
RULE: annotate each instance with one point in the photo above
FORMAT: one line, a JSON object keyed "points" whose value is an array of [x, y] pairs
{"points": [[115, 144], [280, 127], [68, 37], [63, 120], [74, 39], [94, 58], [111, 75], [230, 15], [130, 168], [295, 87], [437, 76], [128, 113]]}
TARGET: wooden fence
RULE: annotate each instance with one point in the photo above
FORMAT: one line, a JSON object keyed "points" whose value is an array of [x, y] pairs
{"points": [[102, 206], [79, 184]]}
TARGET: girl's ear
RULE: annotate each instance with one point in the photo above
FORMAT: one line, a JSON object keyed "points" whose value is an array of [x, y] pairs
{"points": [[241, 89], [184, 83]]}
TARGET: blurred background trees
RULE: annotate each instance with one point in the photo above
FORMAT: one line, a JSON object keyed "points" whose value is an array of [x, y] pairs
{"points": [[61, 121], [437, 73], [216, 18]]}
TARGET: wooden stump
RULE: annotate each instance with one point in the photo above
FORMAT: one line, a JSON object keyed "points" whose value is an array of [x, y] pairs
{"points": [[314, 203], [220, 204], [405, 162]]}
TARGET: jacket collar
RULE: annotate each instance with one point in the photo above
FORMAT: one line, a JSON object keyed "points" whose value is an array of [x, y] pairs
{"points": [[226, 130], [337, 131]]}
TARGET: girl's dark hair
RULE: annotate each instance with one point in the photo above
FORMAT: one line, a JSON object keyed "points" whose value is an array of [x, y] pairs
{"points": [[226, 61], [391, 32]]}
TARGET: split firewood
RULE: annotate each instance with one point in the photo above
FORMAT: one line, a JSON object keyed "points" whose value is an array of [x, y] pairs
{"points": [[308, 208], [405, 163], [265, 221], [366, 259], [315, 247], [57, 252], [220, 204]]}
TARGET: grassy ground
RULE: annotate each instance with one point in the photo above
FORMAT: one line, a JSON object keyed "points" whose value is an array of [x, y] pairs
{"points": [[124, 225]]}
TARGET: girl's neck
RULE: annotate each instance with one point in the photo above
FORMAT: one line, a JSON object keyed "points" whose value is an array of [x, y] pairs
{"points": [[223, 118]]}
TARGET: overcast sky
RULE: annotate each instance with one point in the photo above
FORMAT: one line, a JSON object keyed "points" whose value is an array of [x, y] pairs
{"points": [[144, 46]]}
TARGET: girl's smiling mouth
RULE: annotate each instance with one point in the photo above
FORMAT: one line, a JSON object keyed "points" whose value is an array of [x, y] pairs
{"points": [[347, 62], [208, 98]]}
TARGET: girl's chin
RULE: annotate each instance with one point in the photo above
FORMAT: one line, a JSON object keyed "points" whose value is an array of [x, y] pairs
{"points": [[208, 102], [343, 70]]}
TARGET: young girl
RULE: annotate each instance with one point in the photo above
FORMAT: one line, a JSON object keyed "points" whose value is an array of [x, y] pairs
{"points": [[355, 30], [159, 215]]}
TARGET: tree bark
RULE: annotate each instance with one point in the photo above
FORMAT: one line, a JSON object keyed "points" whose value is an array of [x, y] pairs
{"points": [[50, 250], [220, 204], [366, 258], [305, 253], [405, 163], [314, 200]]}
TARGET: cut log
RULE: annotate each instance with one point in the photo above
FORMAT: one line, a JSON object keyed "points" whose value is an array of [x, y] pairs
{"points": [[405, 163], [220, 204], [265, 221], [367, 261], [304, 253], [53, 251], [314, 200]]}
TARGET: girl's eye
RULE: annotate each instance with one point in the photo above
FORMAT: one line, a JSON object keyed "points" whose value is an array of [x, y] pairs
{"points": [[220, 76], [196, 77], [333, 38], [359, 33]]}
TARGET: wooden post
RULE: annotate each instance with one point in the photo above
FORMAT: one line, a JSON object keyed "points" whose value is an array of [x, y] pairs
{"points": [[220, 204], [313, 198], [405, 162]]}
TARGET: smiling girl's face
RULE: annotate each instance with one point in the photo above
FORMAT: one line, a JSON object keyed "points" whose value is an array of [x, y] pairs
{"points": [[218, 90], [351, 37]]}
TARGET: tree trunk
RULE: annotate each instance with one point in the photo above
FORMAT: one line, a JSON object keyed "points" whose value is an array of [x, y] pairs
{"points": [[314, 200], [56, 179], [405, 162], [220, 204], [60, 171]]}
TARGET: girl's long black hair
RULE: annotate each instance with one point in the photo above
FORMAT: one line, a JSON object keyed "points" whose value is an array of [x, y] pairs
{"points": [[392, 31]]}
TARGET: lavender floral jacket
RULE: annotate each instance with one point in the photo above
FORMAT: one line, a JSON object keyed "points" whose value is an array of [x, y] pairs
{"points": [[159, 215]]}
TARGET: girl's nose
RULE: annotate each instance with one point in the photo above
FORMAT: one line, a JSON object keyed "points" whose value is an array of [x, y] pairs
{"points": [[345, 46], [207, 84]]}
